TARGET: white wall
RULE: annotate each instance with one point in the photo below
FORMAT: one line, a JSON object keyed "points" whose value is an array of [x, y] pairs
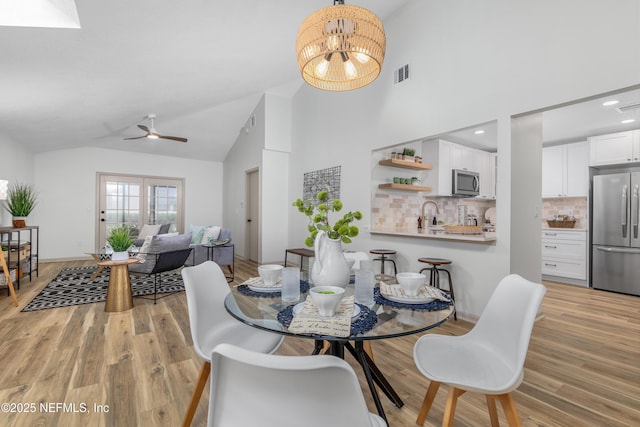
{"points": [[244, 156], [66, 180], [17, 166], [471, 62]]}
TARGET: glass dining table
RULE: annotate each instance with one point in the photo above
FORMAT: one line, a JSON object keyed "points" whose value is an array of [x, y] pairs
{"points": [[384, 319]]}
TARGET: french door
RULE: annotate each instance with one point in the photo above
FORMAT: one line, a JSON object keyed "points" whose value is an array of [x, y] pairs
{"points": [[133, 201]]}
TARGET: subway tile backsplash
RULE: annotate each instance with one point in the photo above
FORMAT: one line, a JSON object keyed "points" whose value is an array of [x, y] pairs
{"points": [[576, 206], [399, 212]]}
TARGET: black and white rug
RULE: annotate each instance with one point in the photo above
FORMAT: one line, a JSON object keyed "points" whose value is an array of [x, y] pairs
{"points": [[73, 286]]}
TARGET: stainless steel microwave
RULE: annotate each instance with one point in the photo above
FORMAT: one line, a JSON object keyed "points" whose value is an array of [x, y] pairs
{"points": [[465, 183]]}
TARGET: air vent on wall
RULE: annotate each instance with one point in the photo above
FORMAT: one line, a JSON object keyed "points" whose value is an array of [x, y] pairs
{"points": [[627, 108], [401, 74]]}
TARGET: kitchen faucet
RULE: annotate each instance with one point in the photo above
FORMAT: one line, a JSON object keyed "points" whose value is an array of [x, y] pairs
{"points": [[426, 224]]}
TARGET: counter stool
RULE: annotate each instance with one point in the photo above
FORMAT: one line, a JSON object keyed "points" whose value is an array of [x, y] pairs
{"points": [[434, 277], [384, 256]]}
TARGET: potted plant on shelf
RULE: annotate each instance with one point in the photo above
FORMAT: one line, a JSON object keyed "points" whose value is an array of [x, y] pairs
{"points": [[120, 241], [408, 154], [21, 199], [330, 267]]}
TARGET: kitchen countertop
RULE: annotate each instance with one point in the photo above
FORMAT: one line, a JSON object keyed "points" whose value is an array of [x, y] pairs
{"points": [[484, 238], [563, 229]]}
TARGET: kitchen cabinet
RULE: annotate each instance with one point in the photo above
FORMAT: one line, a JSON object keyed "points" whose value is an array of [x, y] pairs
{"points": [[487, 176], [564, 253], [615, 148], [565, 171], [445, 156], [465, 158]]}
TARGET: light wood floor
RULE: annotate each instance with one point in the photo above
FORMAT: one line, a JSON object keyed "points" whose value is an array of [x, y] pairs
{"points": [[583, 367]]}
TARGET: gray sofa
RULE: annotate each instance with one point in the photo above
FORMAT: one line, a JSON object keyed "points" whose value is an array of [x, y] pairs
{"points": [[221, 255], [164, 229]]}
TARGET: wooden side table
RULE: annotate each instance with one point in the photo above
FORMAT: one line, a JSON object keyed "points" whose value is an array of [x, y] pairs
{"points": [[119, 296], [303, 252]]}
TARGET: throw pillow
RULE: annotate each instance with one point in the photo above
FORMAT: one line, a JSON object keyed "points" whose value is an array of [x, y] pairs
{"points": [[197, 231], [149, 230], [210, 234], [142, 255]]}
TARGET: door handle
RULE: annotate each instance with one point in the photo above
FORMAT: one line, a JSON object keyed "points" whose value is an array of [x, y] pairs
{"points": [[248, 220], [102, 219], [623, 209], [635, 206]]}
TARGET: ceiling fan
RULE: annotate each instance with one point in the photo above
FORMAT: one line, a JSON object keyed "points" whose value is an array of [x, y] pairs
{"points": [[152, 134]]}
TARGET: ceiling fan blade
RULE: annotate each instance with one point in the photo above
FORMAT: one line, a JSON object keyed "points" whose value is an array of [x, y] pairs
{"points": [[137, 137], [144, 128], [173, 138]]}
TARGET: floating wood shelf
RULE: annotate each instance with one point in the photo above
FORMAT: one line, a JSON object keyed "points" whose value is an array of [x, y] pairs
{"points": [[407, 187], [404, 164]]}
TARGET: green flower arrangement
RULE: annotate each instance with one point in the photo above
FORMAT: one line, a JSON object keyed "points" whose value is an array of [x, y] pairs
{"points": [[120, 239], [319, 219]]}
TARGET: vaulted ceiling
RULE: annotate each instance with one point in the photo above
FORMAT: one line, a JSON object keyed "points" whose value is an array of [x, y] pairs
{"points": [[200, 66]]}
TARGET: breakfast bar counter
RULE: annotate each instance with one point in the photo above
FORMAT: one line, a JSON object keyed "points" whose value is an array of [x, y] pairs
{"points": [[484, 238]]}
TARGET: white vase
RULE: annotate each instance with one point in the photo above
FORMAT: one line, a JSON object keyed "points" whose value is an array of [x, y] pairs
{"points": [[330, 267], [120, 256]]}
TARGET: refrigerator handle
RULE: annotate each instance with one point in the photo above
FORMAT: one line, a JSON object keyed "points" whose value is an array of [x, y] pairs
{"points": [[618, 250], [623, 210], [635, 210]]}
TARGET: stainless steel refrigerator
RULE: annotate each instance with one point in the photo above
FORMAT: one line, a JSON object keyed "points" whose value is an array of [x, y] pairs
{"points": [[615, 234]]}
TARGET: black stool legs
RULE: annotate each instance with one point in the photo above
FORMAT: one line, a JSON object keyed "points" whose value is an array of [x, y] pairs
{"points": [[434, 280]]}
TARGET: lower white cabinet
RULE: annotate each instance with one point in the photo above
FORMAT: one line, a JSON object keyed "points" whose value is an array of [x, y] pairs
{"points": [[564, 253]]}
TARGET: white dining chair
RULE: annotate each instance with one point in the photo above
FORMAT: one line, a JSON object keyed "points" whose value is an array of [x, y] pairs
{"points": [[489, 359], [206, 288], [255, 389]]}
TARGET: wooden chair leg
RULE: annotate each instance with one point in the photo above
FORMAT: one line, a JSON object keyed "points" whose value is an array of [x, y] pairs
{"points": [[197, 393], [427, 402], [493, 411], [509, 407], [450, 409]]}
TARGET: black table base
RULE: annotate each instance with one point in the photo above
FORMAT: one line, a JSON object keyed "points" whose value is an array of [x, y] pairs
{"points": [[372, 374]]}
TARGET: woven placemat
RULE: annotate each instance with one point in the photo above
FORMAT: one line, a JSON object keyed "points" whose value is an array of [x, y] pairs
{"points": [[434, 305], [245, 290], [365, 321]]}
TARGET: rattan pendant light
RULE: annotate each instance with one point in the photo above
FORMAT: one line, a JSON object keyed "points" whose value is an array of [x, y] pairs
{"points": [[340, 47]]}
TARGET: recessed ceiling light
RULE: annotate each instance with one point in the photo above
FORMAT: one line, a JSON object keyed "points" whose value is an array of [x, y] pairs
{"points": [[609, 103], [628, 121], [479, 132]]}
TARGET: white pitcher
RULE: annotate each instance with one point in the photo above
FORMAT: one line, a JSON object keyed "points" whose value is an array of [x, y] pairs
{"points": [[330, 267]]}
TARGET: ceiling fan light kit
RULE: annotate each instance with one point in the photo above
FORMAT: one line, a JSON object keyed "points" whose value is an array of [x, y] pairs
{"points": [[152, 134], [340, 47]]}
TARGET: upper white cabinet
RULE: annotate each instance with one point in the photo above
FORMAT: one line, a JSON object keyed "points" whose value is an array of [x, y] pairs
{"points": [[615, 148], [444, 156], [487, 175], [565, 171], [438, 154]]}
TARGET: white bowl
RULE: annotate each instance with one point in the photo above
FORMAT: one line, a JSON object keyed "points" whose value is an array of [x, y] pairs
{"points": [[326, 298], [411, 282], [270, 273]]}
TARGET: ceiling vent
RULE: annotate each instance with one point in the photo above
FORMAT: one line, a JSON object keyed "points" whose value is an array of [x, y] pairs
{"points": [[401, 74], [627, 108]]}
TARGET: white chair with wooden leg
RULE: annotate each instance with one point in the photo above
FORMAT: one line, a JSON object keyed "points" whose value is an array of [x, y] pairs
{"points": [[489, 359], [206, 288], [254, 389]]}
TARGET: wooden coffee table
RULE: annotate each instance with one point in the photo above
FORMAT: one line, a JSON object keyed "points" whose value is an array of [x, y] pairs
{"points": [[119, 296]]}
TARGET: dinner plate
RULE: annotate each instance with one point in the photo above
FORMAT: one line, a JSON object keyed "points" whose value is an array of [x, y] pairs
{"points": [[256, 288], [408, 300], [296, 309]]}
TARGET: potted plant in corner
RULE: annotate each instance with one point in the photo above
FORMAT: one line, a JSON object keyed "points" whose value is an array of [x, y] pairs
{"points": [[21, 199], [120, 241], [330, 267]]}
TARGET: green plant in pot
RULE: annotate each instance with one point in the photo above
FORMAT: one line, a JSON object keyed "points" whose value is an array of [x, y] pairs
{"points": [[120, 240], [21, 199], [330, 267], [319, 218]]}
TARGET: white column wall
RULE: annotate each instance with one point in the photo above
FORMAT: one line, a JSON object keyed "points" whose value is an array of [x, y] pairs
{"points": [[66, 181]]}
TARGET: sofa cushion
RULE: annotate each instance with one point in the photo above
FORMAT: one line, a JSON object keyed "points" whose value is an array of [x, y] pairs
{"points": [[149, 230], [144, 249], [210, 234], [197, 231]]}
